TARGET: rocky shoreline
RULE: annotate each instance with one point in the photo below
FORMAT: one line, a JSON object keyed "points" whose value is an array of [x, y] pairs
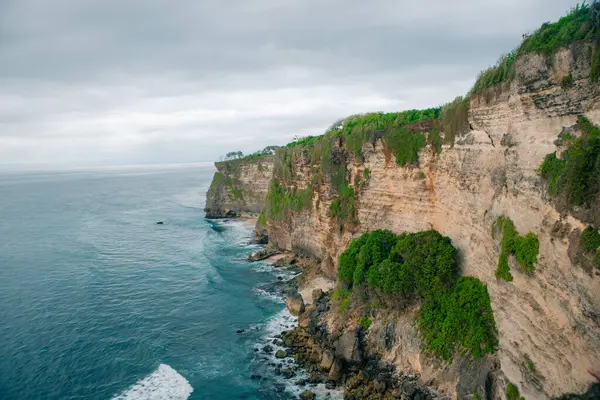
{"points": [[313, 359]]}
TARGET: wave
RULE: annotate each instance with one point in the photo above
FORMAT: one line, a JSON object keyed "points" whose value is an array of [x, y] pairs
{"points": [[163, 384]]}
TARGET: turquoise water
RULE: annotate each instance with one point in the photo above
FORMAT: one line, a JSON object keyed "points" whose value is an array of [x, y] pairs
{"points": [[95, 297]]}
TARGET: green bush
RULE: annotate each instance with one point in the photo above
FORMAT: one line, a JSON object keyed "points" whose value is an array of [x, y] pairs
{"points": [[567, 82], [460, 319], [577, 175], [405, 145], [435, 140], [590, 239], [456, 314], [512, 393], [365, 322], [366, 173], [381, 121], [525, 249], [280, 200], [454, 119], [529, 363]]}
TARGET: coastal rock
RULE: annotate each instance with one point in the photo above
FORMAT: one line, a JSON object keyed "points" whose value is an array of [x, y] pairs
{"points": [[267, 252], [336, 370], [326, 360], [307, 395], [281, 354], [294, 303], [348, 346], [316, 295]]}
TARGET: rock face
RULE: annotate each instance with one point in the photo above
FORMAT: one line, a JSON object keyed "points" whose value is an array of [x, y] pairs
{"points": [[239, 187], [551, 317]]}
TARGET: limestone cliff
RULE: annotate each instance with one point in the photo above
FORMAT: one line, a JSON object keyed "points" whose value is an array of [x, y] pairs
{"points": [[550, 318], [239, 187]]}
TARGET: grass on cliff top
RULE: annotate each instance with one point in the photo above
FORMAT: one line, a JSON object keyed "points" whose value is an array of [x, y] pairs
{"points": [[579, 24], [525, 249], [456, 315], [576, 175]]}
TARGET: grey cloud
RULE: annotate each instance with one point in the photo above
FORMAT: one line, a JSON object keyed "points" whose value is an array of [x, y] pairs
{"points": [[168, 81]]}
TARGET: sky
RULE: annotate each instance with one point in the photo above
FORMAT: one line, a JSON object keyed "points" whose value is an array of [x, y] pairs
{"points": [[107, 82]]}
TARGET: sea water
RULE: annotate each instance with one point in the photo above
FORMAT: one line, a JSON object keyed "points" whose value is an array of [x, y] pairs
{"points": [[98, 301]]}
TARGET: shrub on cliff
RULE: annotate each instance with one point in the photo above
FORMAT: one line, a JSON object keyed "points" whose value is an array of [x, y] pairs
{"points": [[454, 119], [456, 313], [281, 200], [460, 320], [590, 239], [576, 175], [405, 145], [525, 249]]}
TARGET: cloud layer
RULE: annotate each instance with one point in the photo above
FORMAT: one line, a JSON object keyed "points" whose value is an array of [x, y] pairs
{"points": [[146, 81]]}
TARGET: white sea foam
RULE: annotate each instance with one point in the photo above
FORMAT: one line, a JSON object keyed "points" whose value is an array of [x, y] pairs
{"points": [[263, 293], [163, 384]]}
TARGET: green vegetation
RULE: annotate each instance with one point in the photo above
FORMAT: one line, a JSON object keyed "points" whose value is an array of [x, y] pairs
{"points": [[366, 173], [525, 249], [262, 219], [435, 140], [380, 121], [500, 72], [405, 145], [476, 396], [421, 175], [529, 363], [578, 24], [365, 322], [304, 142], [576, 175], [460, 319], [567, 82], [512, 393], [590, 239], [454, 119], [456, 314], [281, 200]]}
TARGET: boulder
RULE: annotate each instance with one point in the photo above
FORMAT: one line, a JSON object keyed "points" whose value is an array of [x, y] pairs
{"points": [[281, 354], [307, 395], [336, 370], [326, 361], [287, 373], [294, 303], [347, 346], [316, 295]]}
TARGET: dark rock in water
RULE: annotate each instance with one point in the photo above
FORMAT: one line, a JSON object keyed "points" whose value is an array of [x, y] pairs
{"points": [[240, 331], [279, 387], [313, 378], [288, 373], [255, 349], [281, 354], [279, 278], [268, 349], [159, 223], [277, 371], [307, 395], [300, 382], [255, 377], [267, 252]]}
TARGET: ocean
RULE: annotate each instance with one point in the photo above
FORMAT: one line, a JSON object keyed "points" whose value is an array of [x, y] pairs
{"points": [[98, 301]]}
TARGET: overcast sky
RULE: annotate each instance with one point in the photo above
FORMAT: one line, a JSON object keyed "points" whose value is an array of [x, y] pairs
{"points": [[105, 82]]}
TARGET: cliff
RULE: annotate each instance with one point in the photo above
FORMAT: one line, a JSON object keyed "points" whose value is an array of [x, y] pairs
{"points": [[548, 321], [239, 187]]}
